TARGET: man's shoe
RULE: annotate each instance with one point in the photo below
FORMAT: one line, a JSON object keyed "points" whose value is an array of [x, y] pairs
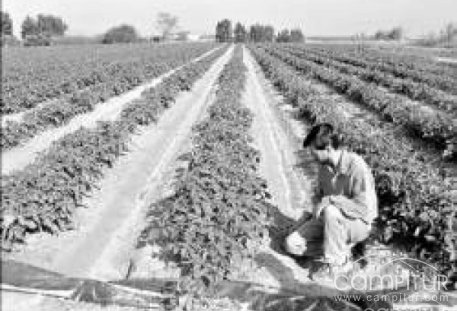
{"points": [[326, 273], [321, 272]]}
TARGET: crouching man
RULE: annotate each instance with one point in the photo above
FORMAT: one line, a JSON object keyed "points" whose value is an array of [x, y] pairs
{"points": [[345, 203]]}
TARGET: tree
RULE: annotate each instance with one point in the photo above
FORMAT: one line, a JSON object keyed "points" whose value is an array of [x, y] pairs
{"points": [[29, 27], [166, 23], [254, 33], [240, 33], [449, 32], [224, 32], [120, 34], [44, 26], [182, 35], [379, 35], [396, 33], [261, 33], [268, 33], [296, 35], [50, 25], [7, 24], [283, 36]]}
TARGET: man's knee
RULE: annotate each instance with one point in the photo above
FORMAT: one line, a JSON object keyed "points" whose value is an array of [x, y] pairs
{"points": [[331, 212], [359, 231], [295, 244]]}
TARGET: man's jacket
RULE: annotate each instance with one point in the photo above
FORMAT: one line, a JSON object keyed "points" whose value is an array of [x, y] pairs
{"points": [[350, 187]]}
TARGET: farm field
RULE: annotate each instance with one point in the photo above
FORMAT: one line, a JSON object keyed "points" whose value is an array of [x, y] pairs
{"points": [[34, 76], [407, 55], [184, 163], [100, 75]]}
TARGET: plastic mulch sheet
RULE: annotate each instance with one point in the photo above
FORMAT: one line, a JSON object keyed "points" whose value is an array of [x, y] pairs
{"points": [[158, 294]]}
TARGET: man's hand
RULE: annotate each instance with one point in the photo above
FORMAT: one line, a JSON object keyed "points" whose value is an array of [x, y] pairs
{"points": [[320, 207]]}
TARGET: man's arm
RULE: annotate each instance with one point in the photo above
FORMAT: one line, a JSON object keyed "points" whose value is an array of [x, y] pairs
{"points": [[318, 195]]}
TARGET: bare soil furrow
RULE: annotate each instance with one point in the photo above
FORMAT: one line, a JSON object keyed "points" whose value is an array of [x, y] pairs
{"points": [[290, 186]]}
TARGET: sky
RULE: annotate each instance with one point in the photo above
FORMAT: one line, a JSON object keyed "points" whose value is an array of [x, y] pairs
{"points": [[314, 17]]}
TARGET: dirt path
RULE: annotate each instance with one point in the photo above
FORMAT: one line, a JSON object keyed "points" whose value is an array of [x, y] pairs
{"points": [[277, 144], [289, 174], [106, 232], [18, 158]]}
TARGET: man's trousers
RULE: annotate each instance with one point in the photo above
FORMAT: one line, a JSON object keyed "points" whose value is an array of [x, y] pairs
{"points": [[331, 236]]}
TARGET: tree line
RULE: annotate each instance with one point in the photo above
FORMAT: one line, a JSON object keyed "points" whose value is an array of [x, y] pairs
{"points": [[35, 30], [41, 29], [166, 23], [225, 32], [394, 34]]}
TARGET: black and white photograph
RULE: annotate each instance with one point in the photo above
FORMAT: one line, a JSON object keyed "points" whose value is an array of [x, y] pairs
{"points": [[239, 155]]}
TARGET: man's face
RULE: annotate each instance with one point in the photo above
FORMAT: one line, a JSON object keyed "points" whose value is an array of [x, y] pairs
{"points": [[321, 154]]}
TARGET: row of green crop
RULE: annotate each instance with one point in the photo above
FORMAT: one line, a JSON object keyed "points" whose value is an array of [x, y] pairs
{"points": [[404, 86], [62, 111], [416, 70], [436, 128], [219, 207], [416, 205], [417, 60], [44, 195], [35, 76]]}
